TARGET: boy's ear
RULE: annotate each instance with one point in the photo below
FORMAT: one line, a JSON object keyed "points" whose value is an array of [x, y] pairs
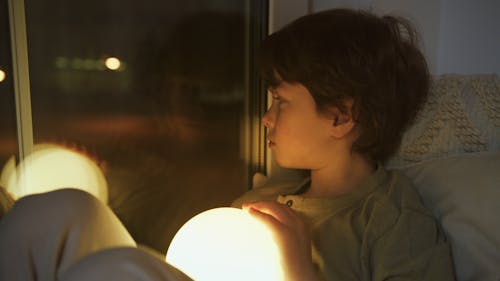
{"points": [[343, 122], [342, 125]]}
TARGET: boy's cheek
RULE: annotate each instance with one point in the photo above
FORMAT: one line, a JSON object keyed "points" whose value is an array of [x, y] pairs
{"points": [[283, 132]]}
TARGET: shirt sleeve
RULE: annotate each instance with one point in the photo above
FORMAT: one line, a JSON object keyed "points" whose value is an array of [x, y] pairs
{"points": [[414, 248]]}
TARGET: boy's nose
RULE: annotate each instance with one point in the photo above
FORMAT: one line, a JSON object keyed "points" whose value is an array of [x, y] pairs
{"points": [[266, 119]]}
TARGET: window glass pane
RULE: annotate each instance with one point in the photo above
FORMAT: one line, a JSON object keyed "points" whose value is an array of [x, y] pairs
{"points": [[8, 138], [155, 92]]}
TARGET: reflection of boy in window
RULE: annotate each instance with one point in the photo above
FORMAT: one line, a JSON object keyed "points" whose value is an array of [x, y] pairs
{"points": [[194, 75], [190, 73]]}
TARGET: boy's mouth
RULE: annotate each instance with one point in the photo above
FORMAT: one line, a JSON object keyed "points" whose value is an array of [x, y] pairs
{"points": [[270, 143]]}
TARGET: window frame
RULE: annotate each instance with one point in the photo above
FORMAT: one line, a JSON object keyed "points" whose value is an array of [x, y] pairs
{"points": [[20, 76]]}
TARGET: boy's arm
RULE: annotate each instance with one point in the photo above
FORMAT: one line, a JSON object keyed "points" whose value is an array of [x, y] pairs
{"points": [[292, 235]]}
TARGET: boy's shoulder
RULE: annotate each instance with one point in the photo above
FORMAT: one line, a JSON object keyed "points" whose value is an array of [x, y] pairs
{"points": [[402, 195], [395, 232], [393, 204], [394, 201]]}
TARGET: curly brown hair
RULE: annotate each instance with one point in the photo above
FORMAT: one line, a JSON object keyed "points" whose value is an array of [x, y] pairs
{"points": [[348, 54]]}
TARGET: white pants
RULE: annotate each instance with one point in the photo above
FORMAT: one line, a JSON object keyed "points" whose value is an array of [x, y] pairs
{"points": [[69, 235]]}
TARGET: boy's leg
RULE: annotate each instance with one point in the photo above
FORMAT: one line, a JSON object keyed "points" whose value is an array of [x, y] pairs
{"points": [[124, 264], [45, 234]]}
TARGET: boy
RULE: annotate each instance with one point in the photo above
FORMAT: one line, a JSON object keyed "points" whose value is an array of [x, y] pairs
{"points": [[345, 85]]}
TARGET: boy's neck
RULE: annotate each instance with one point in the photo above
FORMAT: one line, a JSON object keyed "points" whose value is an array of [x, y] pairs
{"points": [[340, 177]]}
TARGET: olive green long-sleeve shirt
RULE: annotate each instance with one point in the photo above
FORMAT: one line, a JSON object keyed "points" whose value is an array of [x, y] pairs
{"points": [[380, 231]]}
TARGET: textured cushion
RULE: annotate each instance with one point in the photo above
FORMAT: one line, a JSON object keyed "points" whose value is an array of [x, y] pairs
{"points": [[452, 154], [462, 115]]}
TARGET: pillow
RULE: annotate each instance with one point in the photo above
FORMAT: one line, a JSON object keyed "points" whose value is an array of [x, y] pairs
{"points": [[452, 154], [463, 192]]}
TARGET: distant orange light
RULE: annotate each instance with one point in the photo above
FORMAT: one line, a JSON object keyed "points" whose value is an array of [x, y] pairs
{"points": [[112, 63], [2, 75]]}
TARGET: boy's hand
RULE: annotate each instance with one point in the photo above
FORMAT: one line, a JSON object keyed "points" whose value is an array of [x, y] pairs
{"points": [[292, 236]]}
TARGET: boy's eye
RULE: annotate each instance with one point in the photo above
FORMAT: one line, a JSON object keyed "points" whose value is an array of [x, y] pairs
{"points": [[274, 94]]}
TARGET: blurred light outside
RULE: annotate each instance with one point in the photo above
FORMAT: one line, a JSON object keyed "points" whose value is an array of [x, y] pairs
{"points": [[112, 63]]}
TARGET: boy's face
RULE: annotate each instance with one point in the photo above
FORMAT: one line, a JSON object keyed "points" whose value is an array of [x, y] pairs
{"points": [[297, 134]]}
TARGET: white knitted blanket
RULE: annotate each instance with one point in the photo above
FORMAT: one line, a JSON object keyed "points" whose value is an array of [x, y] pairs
{"points": [[462, 115]]}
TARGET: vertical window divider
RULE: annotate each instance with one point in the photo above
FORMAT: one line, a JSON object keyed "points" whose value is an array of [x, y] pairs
{"points": [[256, 102], [20, 69]]}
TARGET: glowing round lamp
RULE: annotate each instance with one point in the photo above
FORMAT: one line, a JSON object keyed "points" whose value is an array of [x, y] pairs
{"points": [[50, 167], [225, 244]]}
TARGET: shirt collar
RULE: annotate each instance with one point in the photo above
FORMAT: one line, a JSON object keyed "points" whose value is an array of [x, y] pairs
{"points": [[317, 206]]}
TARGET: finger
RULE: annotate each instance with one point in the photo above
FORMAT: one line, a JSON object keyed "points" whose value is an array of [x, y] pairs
{"points": [[279, 211], [268, 220], [289, 233]]}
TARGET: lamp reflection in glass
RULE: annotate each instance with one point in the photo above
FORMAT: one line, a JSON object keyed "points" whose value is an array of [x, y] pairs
{"points": [[50, 167], [225, 244]]}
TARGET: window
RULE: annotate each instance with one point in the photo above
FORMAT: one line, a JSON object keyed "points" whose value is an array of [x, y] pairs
{"points": [[8, 138], [158, 92]]}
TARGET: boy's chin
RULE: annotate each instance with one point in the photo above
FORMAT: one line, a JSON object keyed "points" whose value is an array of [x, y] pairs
{"points": [[289, 164]]}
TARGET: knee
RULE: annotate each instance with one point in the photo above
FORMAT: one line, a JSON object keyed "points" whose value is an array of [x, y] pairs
{"points": [[67, 198], [63, 204]]}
